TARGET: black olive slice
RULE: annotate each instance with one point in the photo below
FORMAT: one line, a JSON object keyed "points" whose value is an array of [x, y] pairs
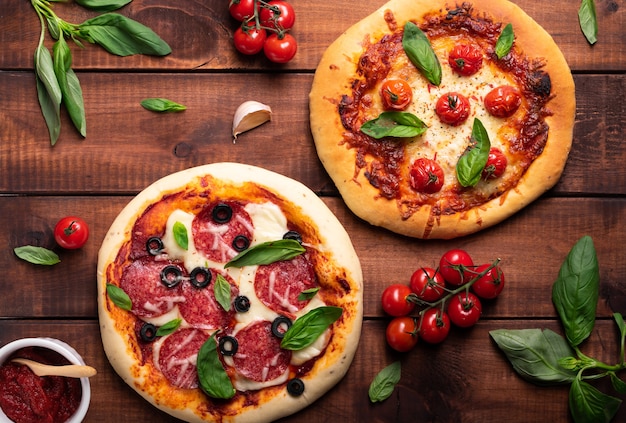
{"points": [[241, 242], [228, 345], [200, 277], [293, 235], [222, 213], [295, 387], [278, 328], [171, 276], [154, 246], [148, 332], [242, 303]]}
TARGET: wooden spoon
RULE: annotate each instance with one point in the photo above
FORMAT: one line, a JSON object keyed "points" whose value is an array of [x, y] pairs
{"points": [[69, 370]]}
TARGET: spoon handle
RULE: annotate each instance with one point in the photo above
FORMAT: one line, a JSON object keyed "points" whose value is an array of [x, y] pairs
{"points": [[70, 370]]}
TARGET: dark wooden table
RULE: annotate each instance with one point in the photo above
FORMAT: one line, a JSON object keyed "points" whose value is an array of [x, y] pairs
{"points": [[466, 378]]}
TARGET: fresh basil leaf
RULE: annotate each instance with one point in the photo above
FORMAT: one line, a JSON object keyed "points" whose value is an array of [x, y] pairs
{"points": [[588, 405], [470, 166], [180, 235], [575, 292], [123, 36], [69, 84], [588, 20], [119, 297], [419, 50], [385, 382], [307, 294], [221, 289], [213, 379], [618, 384], [267, 253], [306, 329], [53, 27], [48, 92], [37, 255], [162, 105], [505, 41], [535, 354], [103, 5], [169, 327], [394, 124]]}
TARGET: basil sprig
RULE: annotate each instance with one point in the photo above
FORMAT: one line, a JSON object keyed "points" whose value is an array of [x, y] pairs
{"points": [[306, 329], [471, 164], [505, 41], [213, 379], [588, 20], [37, 255], [103, 5], [419, 50], [544, 357], [385, 382], [162, 105], [180, 235], [267, 253], [394, 124], [119, 297]]}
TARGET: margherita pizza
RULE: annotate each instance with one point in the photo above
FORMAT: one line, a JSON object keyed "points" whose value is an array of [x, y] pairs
{"points": [[437, 119], [229, 293]]}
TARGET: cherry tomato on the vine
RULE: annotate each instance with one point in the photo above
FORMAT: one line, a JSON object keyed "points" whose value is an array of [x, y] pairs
{"points": [[491, 284], [434, 326], [496, 164], [456, 267], [428, 284], [280, 48], [249, 40], [396, 94], [465, 59], [453, 108], [241, 9], [395, 300], [503, 101], [283, 18], [426, 176], [71, 232], [464, 309], [401, 333]]}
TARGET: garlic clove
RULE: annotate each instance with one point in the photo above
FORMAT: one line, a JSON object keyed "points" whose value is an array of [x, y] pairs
{"points": [[249, 115]]}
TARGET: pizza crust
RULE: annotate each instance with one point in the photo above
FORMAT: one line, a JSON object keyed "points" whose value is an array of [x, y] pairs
{"points": [[338, 67], [193, 405]]}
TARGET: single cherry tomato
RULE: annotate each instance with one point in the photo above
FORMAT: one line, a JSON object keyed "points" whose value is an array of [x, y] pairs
{"points": [[491, 284], [503, 101], [456, 267], [428, 284], [71, 232], [241, 9], [277, 14], [249, 40], [496, 164], [395, 300], [434, 326], [280, 48], [426, 176], [465, 59], [453, 108], [396, 94], [464, 309], [401, 333]]}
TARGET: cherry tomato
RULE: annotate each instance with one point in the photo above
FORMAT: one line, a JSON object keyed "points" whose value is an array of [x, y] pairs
{"points": [[401, 333], [496, 164], [428, 284], [396, 94], [241, 9], [71, 232], [426, 176], [284, 18], [465, 59], [456, 267], [434, 326], [491, 284], [453, 108], [280, 48], [464, 309], [249, 40], [503, 101], [395, 302]]}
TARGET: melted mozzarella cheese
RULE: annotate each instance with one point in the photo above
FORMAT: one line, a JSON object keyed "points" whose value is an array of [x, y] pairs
{"points": [[269, 222]]}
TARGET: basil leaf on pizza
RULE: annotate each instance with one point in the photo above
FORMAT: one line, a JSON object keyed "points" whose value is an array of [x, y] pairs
{"points": [[394, 124], [221, 289], [470, 166], [213, 378], [180, 235], [419, 50], [169, 327], [307, 294], [505, 41], [119, 297], [306, 329], [267, 253]]}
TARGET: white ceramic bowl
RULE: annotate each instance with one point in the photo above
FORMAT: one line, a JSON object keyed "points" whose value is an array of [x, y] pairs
{"points": [[66, 351]]}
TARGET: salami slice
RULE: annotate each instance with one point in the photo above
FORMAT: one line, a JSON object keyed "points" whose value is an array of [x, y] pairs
{"points": [[141, 280], [259, 356], [177, 357], [200, 308], [222, 230], [278, 284]]}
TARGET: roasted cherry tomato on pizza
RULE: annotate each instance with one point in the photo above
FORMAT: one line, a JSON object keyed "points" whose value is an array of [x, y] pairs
{"points": [[434, 326], [503, 101], [396, 94], [428, 284], [465, 59], [249, 40], [456, 266], [401, 333], [491, 284], [496, 164], [241, 9], [277, 14], [71, 232], [453, 108], [464, 309], [426, 176], [396, 300]]}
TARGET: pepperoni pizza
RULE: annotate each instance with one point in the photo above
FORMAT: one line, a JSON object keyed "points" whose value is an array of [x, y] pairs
{"points": [[436, 119], [229, 293]]}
